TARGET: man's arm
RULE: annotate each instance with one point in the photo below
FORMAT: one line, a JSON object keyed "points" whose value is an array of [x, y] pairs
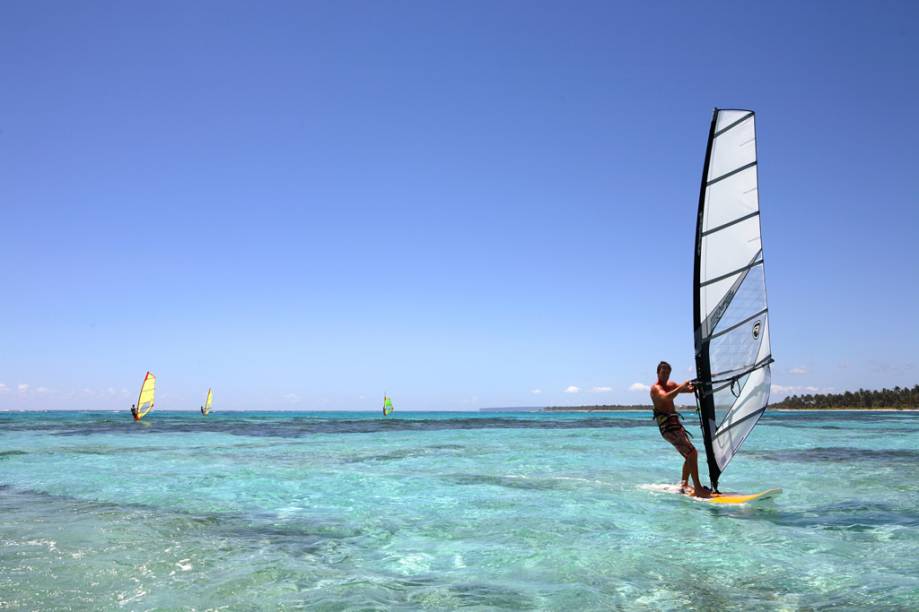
{"points": [[686, 387]]}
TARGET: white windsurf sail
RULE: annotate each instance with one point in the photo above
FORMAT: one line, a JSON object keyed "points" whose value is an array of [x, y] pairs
{"points": [[730, 311]]}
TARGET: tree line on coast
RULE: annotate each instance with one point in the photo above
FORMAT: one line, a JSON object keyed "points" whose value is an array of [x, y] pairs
{"points": [[898, 397], [598, 408]]}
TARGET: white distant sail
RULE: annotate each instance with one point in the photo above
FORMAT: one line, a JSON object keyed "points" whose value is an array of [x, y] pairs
{"points": [[730, 308]]}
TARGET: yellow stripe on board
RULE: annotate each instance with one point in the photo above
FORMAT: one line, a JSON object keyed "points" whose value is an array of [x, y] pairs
{"points": [[740, 498]]}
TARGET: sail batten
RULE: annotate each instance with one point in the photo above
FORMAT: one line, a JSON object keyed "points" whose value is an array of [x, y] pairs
{"points": [[730, 310], [731, 173], [735, 124], [712, 281], [755, 213]]}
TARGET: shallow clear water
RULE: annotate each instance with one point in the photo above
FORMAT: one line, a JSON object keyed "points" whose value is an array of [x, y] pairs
{"points": [[445, 510]]}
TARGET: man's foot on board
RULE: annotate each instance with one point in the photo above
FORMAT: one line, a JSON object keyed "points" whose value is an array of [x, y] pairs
{"points": [[684, 487], [701, 492]]}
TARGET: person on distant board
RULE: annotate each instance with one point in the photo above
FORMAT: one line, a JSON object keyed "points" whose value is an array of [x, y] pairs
{"points": [[134, 411], [668, 420]]}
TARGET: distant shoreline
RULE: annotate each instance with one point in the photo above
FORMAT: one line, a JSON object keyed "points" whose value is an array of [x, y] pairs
{"points": [[596, 409], [690, 409], [843, 410]]}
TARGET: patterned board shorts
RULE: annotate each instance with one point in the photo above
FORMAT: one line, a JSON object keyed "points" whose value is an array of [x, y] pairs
{"points": [[680, 440]]}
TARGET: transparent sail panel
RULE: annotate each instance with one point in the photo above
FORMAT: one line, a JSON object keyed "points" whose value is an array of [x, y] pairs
{"points": [[741, 413], [738, 342], [745, 304]]}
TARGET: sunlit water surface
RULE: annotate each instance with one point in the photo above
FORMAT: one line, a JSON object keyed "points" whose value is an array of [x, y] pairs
{"points": [[446, 510]]}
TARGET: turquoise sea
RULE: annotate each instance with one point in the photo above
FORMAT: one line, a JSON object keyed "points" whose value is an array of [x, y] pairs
{"points": [[339, 511]]}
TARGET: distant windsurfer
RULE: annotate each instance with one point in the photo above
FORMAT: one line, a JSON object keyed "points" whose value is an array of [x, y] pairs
{"points": [[663, 393], [134, 412]]}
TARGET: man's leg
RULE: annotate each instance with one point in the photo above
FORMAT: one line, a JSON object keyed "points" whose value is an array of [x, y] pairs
{"points": [[681, 443], [693, 461], [684, 481]]}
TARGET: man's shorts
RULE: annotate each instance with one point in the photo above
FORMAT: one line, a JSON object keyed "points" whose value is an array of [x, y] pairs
{"points": [[680, 440]]}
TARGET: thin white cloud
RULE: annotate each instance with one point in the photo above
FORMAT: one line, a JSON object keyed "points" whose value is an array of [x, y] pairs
{"points": [[798, 371], [798, 389], [23, 387], [572, 389], [639, 387], [891, 368], [535, 391], [42, 390], [292, 398], [601, 389], [3, 388]]}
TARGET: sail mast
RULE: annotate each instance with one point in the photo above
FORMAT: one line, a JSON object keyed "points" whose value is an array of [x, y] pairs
{"points": [[703, 366]]}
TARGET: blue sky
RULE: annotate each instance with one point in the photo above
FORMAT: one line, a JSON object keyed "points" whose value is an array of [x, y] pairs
{"points": [[463, 204]]}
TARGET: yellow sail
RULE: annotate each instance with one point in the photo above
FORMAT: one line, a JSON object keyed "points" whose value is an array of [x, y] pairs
{"points": [[205, 410], [145, 399]]}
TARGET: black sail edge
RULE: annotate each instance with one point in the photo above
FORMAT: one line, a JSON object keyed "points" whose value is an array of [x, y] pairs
{"points": [[704, 396]]}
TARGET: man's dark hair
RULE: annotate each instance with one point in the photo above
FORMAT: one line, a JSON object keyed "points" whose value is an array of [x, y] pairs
{"points": [[664, 364]]}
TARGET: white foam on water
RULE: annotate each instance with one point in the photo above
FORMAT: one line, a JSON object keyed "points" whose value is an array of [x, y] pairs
{"points": [[661, 488]]}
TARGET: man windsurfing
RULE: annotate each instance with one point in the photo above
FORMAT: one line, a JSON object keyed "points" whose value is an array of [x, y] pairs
{"points": [[663, 393]]}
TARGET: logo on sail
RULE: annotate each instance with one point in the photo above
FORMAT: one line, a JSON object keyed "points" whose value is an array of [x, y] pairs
{"points": [[756, 329]]}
